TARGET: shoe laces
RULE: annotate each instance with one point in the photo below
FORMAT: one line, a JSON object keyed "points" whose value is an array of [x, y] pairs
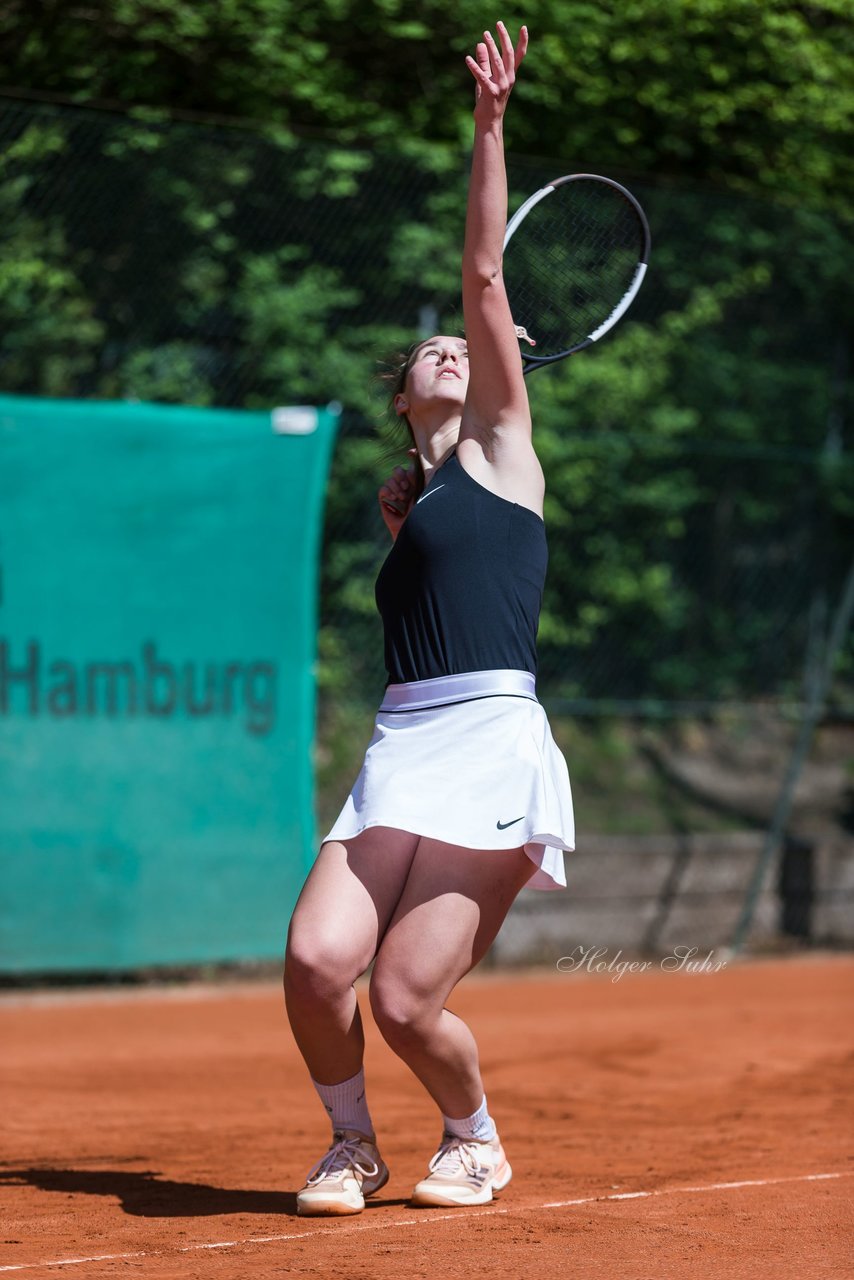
{"points": [[346, 1153], [456, 1155]]}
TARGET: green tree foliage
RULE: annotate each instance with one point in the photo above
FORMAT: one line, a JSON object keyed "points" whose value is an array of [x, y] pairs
{"points": [[755, 94]]}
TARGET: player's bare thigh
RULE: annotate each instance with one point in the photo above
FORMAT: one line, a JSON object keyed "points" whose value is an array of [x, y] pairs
{"points": [[452, 907], [347, 901]]}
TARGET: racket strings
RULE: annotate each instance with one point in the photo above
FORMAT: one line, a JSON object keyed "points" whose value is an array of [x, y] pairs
{"points": [[570, 262]]}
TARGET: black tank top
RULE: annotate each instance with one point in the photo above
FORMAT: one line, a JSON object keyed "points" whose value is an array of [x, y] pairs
{"points": [[462, 587]]}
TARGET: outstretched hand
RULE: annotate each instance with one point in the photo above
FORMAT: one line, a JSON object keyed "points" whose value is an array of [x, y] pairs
{"points": [[494, 71]]}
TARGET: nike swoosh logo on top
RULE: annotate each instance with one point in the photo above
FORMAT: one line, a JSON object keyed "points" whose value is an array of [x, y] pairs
{"points": [[502, 826], [429, 494]]}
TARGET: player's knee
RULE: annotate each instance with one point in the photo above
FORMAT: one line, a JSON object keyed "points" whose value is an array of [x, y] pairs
{"points": [[319, 967], [401, 1013]]}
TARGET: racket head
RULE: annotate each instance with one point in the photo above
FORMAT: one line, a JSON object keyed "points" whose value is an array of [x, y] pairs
{"points": [[576, 253]]}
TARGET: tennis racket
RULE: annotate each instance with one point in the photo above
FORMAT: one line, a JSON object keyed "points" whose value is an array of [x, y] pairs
{"points": [[576, 253]]}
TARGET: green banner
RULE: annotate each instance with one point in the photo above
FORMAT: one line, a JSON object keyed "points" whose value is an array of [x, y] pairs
{"points": [[158, 581]]}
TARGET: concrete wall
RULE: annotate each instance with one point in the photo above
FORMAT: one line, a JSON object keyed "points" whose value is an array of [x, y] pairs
{"points": [[651, 894]]}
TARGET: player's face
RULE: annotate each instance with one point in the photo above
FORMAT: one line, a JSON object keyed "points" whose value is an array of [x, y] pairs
{"points": [[439, 371]]}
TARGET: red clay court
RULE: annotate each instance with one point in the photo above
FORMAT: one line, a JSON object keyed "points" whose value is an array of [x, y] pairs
{"points": [[663, 1125]]}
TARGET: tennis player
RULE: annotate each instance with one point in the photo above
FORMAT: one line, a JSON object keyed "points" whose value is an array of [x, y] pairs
{"points": [[463, 798]]}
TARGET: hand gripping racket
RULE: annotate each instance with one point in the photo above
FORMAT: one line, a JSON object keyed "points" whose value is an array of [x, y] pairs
{"points": [[579, 253]]}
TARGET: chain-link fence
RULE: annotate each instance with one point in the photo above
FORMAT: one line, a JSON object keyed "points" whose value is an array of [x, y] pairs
{"points": [[699, 490]]}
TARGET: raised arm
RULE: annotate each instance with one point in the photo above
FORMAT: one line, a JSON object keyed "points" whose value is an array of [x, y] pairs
{"points": [[496, 412]]}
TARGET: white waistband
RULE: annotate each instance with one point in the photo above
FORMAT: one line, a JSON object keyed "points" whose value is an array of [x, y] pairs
{"points": [[419, 694]]}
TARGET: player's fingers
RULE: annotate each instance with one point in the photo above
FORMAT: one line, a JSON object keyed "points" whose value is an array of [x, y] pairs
{"points": [[522, 46], [499, 71], [507, 55], [388, 498], [400, 490], [481, 76]]}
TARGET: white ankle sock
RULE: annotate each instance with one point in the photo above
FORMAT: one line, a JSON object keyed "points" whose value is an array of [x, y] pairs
{"points": [[346, 1105], [480, 1126]]}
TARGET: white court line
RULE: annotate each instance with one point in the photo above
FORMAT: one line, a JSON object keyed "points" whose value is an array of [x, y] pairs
{"points": [[427, 1220]]}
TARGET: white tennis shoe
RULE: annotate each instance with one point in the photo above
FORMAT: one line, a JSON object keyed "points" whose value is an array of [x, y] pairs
{"points": [[462, 1172], [351, 1169]]}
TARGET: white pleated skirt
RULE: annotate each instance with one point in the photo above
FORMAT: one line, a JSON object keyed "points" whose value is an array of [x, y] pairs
{"points": [[469, 760]]}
